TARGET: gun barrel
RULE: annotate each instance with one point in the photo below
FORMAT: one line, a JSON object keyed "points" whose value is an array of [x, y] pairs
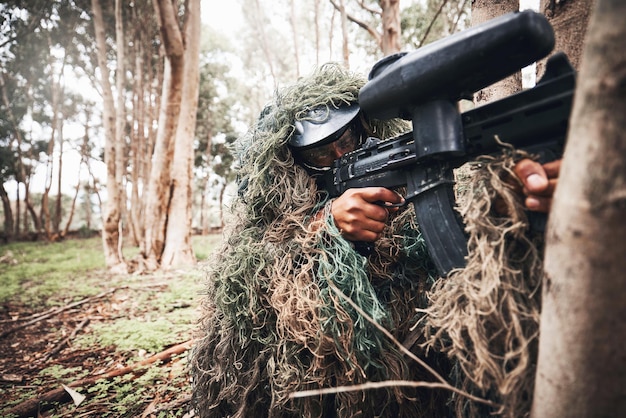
{"points": [[457, 65]]}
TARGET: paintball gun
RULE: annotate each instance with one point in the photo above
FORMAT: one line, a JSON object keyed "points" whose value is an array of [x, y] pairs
{"points": [[425, 86]]}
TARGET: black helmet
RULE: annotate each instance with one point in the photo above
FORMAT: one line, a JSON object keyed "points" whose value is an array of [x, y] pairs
{"points": [[322, 125]]}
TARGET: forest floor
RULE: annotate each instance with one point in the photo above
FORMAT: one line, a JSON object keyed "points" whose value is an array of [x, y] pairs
{"points": [[77, 341]]}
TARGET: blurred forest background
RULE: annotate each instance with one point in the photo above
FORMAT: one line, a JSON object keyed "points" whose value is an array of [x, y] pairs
{"points": [[116, 117]]}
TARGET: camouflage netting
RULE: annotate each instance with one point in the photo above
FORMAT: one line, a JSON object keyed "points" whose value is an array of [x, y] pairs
{"points": [[272, 325]]}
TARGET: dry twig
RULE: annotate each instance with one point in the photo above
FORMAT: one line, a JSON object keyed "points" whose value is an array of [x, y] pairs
{"points": [[66, 340], [55, 311], [30, 407]]}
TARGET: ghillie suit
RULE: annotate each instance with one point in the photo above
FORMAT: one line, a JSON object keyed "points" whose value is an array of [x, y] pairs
{"points": [[273, 325], [486, 316]]}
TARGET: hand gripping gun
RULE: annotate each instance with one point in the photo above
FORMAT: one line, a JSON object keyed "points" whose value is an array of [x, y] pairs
{"points": [[425, 86]]}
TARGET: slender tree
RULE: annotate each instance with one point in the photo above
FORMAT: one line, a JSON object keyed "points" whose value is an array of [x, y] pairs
{"points": [[112, 213], [582, 370], [390, 15], [387, 16], [293, 21]]}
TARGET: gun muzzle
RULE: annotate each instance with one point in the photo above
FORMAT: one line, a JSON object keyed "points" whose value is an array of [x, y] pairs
{"points": [[456, 66]]}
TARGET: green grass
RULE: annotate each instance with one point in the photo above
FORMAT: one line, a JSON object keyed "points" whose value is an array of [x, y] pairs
{"points": [[153, 317], [48, 274], [39, 273]]}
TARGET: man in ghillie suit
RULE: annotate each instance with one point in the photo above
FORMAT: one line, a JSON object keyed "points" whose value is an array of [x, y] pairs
{"points": [[277, 319]]}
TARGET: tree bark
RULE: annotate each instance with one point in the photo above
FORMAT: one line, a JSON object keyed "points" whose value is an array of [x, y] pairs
{"points": [[482, 11], [390, 40], [178, 250], [119, 199], [345, 49], [58, 209], [111, 215], [582, 367], [8, 214], [138, 149], [70, 216], [316, 22], [159, 193], [570, 20]]}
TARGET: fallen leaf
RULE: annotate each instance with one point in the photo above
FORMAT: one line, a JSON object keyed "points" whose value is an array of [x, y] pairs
{"points": [[76, 397]]}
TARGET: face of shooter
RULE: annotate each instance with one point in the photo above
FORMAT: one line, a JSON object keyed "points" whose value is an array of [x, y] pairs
{"points": [[325, 135]]}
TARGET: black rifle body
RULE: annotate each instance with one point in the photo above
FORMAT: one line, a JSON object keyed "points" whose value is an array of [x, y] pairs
{"points": [[443, 138]]}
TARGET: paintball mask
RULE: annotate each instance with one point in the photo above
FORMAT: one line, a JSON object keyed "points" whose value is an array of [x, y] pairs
{"points": [[324, 135]]}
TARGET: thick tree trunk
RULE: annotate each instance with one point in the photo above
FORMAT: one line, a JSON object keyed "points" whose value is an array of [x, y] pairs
{"points": [[570, 20], [582, 367], [159, 193], [178, 250]]}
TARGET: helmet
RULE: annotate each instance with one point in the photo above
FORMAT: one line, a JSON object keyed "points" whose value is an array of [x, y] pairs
{"points": [[322, 125]]}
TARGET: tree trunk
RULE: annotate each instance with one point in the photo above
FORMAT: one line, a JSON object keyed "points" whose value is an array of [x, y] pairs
{"points": [[137, 144], [18, 210], [259, 27], [22, 175], [30, 209], [178, 250], [221, 204], [345, 41], [159, 196], [8, 213], [570, 20], [582, 367], [70, 216], [111, 214], [119, 199], [482, 11], [390, 41], [56, 94], [316, 17], [58, 208]]}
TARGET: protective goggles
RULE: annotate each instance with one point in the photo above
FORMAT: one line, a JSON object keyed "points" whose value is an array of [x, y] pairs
{"points": [[323, 156]]}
